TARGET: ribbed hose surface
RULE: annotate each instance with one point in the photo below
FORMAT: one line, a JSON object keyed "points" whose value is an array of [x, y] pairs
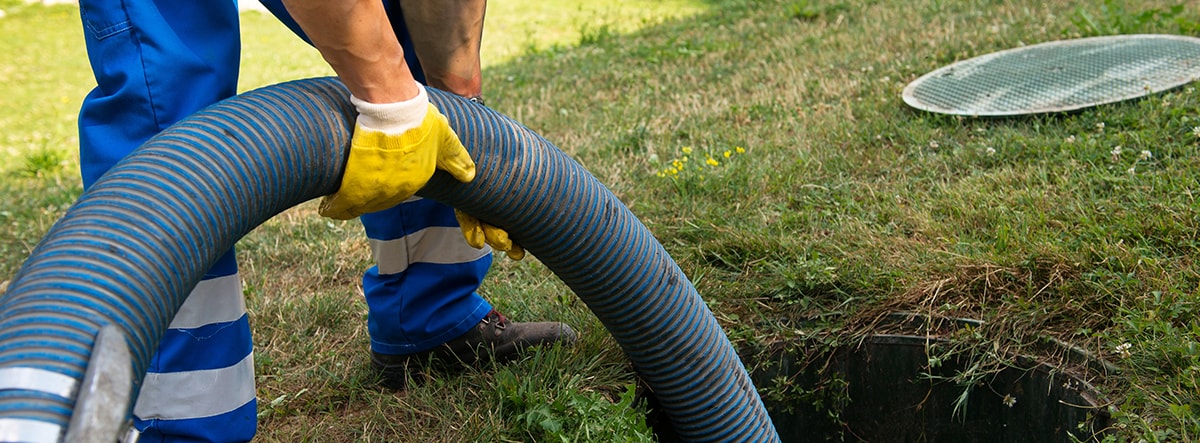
{"points": [[131, 249]]}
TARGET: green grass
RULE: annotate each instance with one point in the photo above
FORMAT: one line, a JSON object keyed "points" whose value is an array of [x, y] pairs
{"points": [[844, 205]]}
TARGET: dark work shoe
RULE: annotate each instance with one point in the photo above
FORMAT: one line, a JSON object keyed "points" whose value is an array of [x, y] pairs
{"points": [[495, 339]]}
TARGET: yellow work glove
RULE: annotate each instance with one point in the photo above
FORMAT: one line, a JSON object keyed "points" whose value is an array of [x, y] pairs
{"points": [[478, 233], [393, 153]]}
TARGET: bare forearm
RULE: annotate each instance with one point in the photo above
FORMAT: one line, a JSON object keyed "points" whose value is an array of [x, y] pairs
{"points": [[356, 39], [446, 35]]}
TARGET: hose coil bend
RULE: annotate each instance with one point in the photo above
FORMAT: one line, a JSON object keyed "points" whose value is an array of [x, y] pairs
{"points": [[133, 246]]}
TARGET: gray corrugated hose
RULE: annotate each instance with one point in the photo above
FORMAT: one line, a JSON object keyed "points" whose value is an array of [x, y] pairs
{"points": [[136, 243]]}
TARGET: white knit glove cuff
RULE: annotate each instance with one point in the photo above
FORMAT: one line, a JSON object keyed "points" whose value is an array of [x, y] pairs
{"points": [[392, 118]]}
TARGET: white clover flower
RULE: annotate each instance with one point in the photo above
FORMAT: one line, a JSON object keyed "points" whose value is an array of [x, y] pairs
{"points": [[1116, 151], [933, 144], [991, 150], [1132, 170], [1123, 350], [1196, 131], [1100, 126], [1145, 155], [1009, 400], [1071, 138]]}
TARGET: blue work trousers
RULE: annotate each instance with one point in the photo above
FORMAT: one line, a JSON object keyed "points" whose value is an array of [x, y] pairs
{"points": [[155, 63]]}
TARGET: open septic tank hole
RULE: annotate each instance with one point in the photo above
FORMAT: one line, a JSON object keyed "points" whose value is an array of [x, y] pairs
{"points": [[895, 388]]}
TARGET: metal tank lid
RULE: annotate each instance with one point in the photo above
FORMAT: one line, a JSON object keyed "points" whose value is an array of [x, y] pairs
{"points": [[1058, 76]]}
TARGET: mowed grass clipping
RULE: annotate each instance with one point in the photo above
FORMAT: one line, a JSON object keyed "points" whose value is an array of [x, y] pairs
{"points": [[766, 146]]}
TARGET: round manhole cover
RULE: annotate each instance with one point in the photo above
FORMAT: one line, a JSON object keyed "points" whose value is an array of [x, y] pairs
{"points": [[1058, 76]]}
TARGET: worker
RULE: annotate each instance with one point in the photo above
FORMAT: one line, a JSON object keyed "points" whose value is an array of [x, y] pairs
{"points": [[157, 62]]}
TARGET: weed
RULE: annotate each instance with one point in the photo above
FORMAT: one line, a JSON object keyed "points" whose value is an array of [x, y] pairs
{"points": [[43, 162], [692, 171], [829, 395], [596, 35], [805, 10], [570, 414]]}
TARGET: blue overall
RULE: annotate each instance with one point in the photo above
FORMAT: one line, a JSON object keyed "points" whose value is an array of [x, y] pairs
{"points": [[158, 61]]}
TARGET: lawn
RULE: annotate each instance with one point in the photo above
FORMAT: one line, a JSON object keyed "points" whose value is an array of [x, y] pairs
{"points": [[766, 146]]}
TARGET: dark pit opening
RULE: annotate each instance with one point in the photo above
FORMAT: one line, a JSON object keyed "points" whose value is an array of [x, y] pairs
{"points": [[888, 388]]}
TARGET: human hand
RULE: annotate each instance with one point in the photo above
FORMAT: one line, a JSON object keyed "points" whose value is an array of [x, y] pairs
{"points": [[478, 233], [394, 151]]}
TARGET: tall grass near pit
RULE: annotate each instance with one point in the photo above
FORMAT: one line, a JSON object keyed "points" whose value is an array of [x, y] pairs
{"points": [[844, 205]]}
